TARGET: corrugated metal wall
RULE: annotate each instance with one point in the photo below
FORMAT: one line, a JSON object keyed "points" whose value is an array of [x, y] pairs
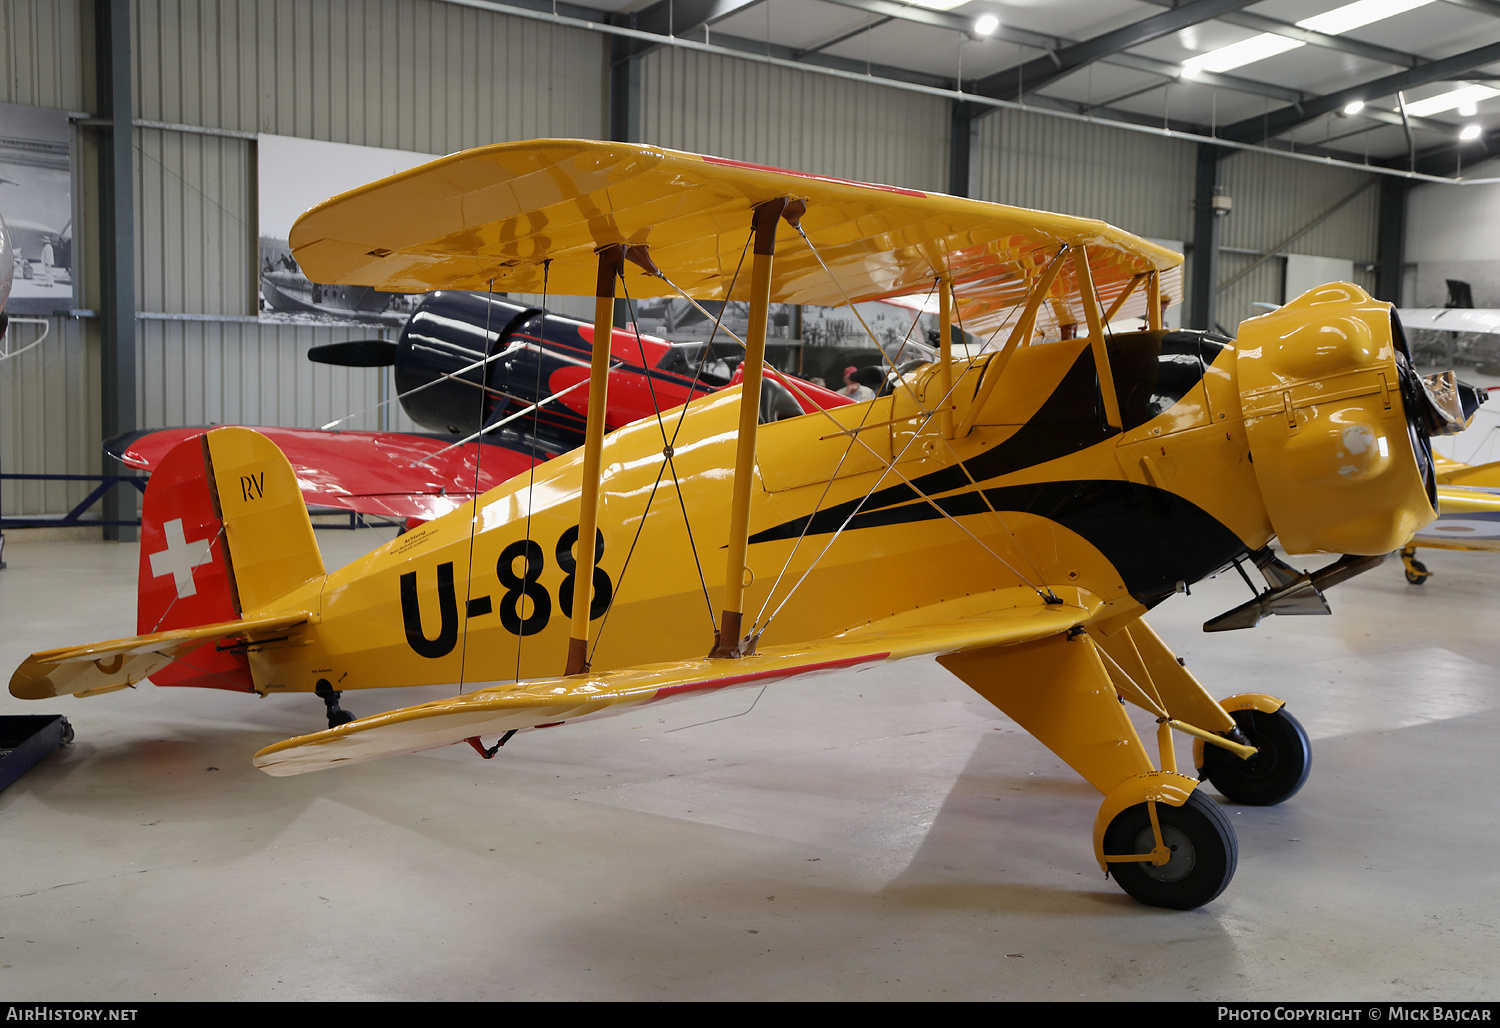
{"points": [[748, 111], [44, 53], [431, 76], [1273, 198], [1144, 183], [49, 396], [411, 74], [1138, 182]]}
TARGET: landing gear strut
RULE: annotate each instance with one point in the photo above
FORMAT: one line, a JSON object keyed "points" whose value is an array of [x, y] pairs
{"points": [[1416, 571], [1278, 769], [330, 697]]}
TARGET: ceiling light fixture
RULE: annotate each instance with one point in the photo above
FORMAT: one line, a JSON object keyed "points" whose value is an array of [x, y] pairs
{"points": [[1268, 44], [985, 24], [1246, 51], [1356, 15], [1355, 107], [1469, 132], [1456, 98], [1468, 109]]}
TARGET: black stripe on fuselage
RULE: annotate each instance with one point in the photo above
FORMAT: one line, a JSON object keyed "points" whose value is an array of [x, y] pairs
{"points": [[1153, 537], [1152, 370]]}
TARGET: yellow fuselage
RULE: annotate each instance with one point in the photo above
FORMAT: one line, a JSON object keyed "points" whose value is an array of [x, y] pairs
{"points": [[399, 614]]}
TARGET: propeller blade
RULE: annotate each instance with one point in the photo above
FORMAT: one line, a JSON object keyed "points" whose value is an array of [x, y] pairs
{"points": [[356, 353]]}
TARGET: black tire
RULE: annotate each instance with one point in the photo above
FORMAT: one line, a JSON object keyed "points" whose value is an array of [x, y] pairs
{"points": [[1204, 853], [1417, 573], [1275, 773]]}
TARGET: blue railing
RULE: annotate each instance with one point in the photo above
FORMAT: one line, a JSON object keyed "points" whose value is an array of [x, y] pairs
{"points": [[76, 515]]}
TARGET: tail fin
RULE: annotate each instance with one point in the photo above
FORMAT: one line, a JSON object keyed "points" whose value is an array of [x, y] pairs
{"points": [[223, 532], [271, 545]]}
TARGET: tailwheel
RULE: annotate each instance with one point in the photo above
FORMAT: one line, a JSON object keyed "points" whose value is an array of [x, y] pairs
{"points": [[1278, 769], [1202, 847], [1416, 571], [337, 715]]}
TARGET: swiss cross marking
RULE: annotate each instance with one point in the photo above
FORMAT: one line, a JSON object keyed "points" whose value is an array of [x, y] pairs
{"points": [[253, 486], [180, 557]]}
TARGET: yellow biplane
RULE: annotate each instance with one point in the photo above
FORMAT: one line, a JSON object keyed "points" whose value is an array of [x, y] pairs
{"points": [[1015, 513]]}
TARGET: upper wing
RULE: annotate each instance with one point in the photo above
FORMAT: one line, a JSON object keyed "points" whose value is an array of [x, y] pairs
{"points": [[529, 217], [1005, 616], [389, 474], [1451, 319]]}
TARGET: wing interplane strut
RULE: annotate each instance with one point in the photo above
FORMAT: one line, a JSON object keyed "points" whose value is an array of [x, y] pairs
{"points": [[668, 463]]}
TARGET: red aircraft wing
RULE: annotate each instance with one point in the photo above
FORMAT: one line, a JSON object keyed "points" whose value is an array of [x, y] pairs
{"points": [[389, 474]]}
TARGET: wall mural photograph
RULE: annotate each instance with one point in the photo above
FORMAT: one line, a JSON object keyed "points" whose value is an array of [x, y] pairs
{"points": [[295, 175], [36, 200]]}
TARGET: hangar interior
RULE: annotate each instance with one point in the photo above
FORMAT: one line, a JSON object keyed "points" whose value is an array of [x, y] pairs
{"points": [[878, 834]]}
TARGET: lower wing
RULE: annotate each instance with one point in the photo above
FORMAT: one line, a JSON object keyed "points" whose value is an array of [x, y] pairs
{"points": [[1468, 519], [1007, 616]]}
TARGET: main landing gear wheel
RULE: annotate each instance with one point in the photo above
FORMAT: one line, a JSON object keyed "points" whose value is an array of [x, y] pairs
{"points": [[1204, 853], [1275, 773], [1416, 571]]}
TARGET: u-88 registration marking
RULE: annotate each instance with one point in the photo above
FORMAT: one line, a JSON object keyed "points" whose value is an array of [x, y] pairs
{"points": [[525, 585]]}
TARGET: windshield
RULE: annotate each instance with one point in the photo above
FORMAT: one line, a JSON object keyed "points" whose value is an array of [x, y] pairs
{"points": [[696, 359]]}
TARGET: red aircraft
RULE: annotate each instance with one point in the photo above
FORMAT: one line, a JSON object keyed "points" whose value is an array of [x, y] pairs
{"points": [[499, 387]]}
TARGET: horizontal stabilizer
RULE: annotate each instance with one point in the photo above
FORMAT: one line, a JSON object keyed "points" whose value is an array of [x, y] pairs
{"points": [[103, 666], [1007, 616]]}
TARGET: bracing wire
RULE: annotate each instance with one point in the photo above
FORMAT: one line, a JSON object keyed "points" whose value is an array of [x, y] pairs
{"points": [[428, 385], [855, 311], [985, 496], [463, 653], [530, 408], [817, 507], [660, 471], [759, 627], [669, 461], [535, 420], [889, 469], [205, 557]]}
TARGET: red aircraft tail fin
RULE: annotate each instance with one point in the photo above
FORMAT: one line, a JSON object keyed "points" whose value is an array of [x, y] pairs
{"points": [[223, 530]]}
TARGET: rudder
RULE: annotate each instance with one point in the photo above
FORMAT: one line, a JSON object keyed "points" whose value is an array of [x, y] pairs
{"points": [[223, 531], [271, 544]]}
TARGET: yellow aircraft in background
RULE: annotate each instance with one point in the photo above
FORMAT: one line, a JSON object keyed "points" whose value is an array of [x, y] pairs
{"points": [[1016, 513], [1468, 514]]}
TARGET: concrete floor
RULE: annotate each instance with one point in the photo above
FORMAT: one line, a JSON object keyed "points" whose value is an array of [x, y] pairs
{"points": [[879, 835]]}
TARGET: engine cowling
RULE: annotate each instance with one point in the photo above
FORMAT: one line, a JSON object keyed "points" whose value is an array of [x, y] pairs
{"points": [[1335, 417]]}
